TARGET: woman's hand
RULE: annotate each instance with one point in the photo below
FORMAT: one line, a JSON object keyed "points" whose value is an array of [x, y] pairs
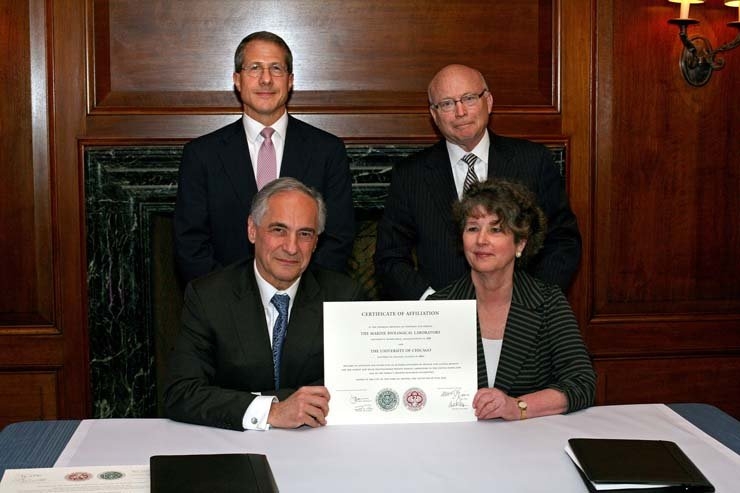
{"points": [[493, 403]]}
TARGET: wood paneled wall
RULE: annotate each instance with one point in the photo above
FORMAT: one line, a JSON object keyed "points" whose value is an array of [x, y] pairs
{"points": [[665, 308], [43, 344], [653, 170]]}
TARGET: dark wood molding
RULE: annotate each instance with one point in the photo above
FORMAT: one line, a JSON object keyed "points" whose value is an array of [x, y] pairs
{"points": [[68, 52]]}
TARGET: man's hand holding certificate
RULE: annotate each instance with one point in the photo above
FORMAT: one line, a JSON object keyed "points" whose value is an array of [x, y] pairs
{"points": [[400, 361]]}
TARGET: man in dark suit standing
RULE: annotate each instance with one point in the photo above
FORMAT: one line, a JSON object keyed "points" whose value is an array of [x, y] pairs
{"points": [[219, 173], [417, 218], [250, 354]]}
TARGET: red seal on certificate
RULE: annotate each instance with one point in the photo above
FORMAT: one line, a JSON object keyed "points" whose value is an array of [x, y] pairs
{"points": [[78, 476], [414, 399]]}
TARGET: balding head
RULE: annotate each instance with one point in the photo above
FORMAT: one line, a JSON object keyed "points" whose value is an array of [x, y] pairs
{"points": [[450, 73], [464, 125]]}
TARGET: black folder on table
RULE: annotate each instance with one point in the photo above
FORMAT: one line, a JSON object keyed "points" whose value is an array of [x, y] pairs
{"points": [[211, 473], [632, 462]]}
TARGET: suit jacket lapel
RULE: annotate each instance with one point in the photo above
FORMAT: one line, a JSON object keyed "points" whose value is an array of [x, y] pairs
{"points": [[439, 180], [522, 329], [251, 327], [304, 337], [234, 156], [294, 161], [499, 158]]}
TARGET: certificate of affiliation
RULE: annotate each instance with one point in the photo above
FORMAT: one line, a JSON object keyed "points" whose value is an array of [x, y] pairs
{"points": [[400, 361], [90, 479]]}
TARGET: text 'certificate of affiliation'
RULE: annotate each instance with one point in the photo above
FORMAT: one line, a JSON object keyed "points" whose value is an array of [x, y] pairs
{"points": [[400, 361]]}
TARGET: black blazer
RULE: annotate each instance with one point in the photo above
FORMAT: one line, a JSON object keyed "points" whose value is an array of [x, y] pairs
{"points": [[418, 218], [223, 351], [216, 185]]}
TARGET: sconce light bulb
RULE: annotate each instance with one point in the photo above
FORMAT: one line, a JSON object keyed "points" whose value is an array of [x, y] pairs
{"points": [[734, 3], [684, 13]]}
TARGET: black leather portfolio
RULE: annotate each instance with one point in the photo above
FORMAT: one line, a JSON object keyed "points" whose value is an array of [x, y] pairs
{"points": [[214, 473], [636, 462]]}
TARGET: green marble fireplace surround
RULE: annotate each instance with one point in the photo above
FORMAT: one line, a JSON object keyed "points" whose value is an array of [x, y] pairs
{"points": [[134, 296]]}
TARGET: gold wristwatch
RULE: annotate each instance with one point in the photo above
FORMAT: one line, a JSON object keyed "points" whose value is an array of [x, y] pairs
{"points": [[522, 409]]}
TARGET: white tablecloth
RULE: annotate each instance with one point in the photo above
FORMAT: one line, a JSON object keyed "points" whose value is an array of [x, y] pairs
{"points": [[521, 456]]}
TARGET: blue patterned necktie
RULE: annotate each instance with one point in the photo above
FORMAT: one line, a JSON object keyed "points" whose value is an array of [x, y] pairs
{"points": [[281, 302], [471, 177]]}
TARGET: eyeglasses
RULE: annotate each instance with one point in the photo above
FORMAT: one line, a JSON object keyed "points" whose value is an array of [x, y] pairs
{"points": [[256, 69], [468, 100]]}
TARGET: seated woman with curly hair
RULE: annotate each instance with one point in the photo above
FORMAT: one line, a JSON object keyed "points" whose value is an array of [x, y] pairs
{"points": [[531, 358]]}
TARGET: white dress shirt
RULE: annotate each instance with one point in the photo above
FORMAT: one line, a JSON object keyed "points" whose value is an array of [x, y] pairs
{"points": [[460, 169], [254, 139]]}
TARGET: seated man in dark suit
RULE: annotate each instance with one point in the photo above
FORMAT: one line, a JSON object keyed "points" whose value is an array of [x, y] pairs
{"points": [[250, 352], [417, 248], [220, 172]]}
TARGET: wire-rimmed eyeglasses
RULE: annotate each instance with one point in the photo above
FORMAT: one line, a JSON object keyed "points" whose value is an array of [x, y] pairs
{"points": [[468, 100], [256, 69]]}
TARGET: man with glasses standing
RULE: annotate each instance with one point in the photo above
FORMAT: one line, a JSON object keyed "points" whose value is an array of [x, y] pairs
{"points": [[417, 249], [220, 172]]}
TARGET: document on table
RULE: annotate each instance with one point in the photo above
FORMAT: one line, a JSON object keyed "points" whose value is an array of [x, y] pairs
{"points": [[93, 479], [400, 361]]}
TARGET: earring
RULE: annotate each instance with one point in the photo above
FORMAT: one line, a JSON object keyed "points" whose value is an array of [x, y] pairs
{"points": [[518, 254]]}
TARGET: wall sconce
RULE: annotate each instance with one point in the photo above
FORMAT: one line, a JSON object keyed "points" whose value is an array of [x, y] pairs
{"points": [[698, 59]]}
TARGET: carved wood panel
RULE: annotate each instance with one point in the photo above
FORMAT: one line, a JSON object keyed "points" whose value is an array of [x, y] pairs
{"points": [[349, 56], [27, 395], [25, 208], [709, 379], [667, 233]]}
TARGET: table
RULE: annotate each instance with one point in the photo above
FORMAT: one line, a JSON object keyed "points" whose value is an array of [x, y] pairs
{"points": [[492, 455]]}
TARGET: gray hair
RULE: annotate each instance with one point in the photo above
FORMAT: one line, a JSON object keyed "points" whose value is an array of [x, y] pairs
{"points": [[286, 184], [269, 38]]}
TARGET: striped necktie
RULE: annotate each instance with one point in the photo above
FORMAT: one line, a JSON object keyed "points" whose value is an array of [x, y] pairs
{"points": [[471, 177]]}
